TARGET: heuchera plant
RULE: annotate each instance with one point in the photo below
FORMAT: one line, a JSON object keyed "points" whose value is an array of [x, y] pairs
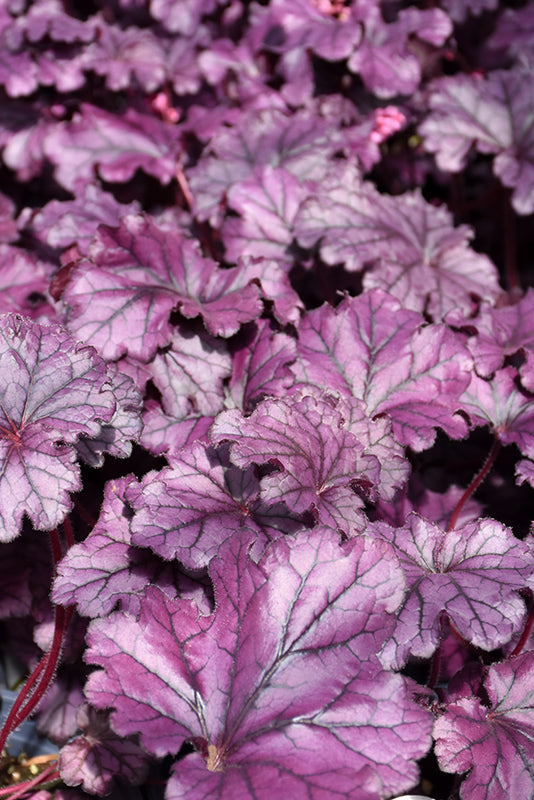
{"points": [[266, 398]]}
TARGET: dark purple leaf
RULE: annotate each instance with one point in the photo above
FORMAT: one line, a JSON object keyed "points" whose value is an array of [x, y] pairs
{"points": [[57, 711], [493, 114], [98, 756]]}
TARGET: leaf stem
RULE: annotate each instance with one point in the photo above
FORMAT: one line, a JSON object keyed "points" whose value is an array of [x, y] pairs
{"points": [[526, 630], [475, 483], [40, 679], [18, 790]]}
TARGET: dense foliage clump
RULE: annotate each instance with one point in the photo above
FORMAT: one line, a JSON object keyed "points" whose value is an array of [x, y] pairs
{"points": [[266, 390]]}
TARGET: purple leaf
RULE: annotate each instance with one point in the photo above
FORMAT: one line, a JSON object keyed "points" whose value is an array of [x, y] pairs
{"points": [[189, 373], [127, 57], [301, 143], [472, 573], [493, 744], [409, 247], [98, 756], [8, 226], [252, 685], [57, 711], [47, 18], [121, 299], [493, 114], [63, 223], [115, 145], [52, 391], [116, 436], [496, 333], [435, 507], [189, 509], [458, 10], [181, 16], [100, 572], [23, 283], [260, 364], [386, 60], [322, 464], [268, 203], [502, 404], [372, 348], [162, 433]]}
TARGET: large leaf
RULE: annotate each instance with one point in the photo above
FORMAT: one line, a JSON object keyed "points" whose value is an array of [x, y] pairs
{"points": [[472, 573], [115, 145], [301, 144], [189, 509], [372, 348], [409, 247], [493, 744], [268, 203], [281, 680], [493, 114], [52, 391], [120, 300], [322, 462]]}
